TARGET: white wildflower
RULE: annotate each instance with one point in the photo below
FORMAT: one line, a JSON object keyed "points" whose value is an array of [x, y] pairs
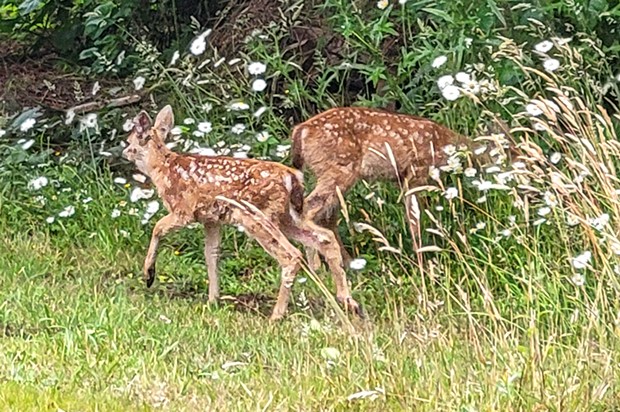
{"points": [[87, 200], [50, 220], [2, 132], [27, 124], [205, 127], [28, 144], [582, 261], [120, 180], [439, 61], [262, 136], [138, 193], [358, 264], [139, 177], [451, 93], [115, 213], [256, 68], [599, 222], [152, 207], [506, 233], [551, 65], [544, 211], [138, 82], [89, 121], [615, 247], [462, 77], [445, 81], [543, 46], [128, 125], [571, 220], [238, 128], [189, 120], [176, 131], [471, 86], [434, 173], [237, 106], [449, 149], [578, 279], [38, 183], [259, 85], [451, 193], [551, 199], [67, 211], [555, 158], [199, 44], [533, 110], [470, 172], [382, 4], [483, 185]]}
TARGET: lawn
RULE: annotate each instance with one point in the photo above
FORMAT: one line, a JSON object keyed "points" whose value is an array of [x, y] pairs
{"points": [[79, 333]]}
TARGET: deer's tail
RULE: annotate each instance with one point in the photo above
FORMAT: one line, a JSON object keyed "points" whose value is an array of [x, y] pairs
{"points": [[294, 182], [297, 136]]}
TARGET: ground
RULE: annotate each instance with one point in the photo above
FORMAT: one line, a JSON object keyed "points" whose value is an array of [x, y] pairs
{"points": [[77, 333]]}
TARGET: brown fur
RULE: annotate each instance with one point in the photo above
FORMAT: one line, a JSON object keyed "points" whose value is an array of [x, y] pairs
{"points": [[266, 198], [343, 145]]}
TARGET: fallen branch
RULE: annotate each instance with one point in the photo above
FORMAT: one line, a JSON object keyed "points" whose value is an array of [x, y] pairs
{"points": [[95, 106]]}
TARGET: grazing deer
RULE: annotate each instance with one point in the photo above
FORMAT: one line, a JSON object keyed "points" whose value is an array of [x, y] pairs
{"points": [[266, 198], [343, 145]]}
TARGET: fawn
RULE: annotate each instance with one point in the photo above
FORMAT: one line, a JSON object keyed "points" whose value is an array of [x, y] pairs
{"points": [[266, 198], [343, 145]]}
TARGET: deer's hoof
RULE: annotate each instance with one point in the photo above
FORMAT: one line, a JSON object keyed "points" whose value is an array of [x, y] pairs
{"points": [[276, 316], [352, 306], [150, 277]]}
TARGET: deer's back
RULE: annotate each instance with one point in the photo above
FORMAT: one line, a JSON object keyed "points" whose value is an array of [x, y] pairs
{"points": [[190, 185], [372, 143]]}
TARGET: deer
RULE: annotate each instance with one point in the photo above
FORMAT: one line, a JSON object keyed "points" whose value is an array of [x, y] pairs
{"points": [[265, 198], [343, 145]]}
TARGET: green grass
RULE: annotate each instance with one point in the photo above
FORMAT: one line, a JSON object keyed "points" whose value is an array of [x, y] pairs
{"points": [[77, 337]]}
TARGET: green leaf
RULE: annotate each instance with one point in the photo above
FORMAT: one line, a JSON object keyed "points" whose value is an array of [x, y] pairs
{"points": [[29, 6], [438, 13]]}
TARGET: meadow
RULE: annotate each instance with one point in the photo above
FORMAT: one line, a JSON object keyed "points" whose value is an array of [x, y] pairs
{"points": [[516, 305]]}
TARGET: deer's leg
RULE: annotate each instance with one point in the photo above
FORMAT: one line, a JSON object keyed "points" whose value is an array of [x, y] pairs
{"points": [[269, 236], [331, 223], [324, 240], [212, 253], [322, 206], [162, 227]]}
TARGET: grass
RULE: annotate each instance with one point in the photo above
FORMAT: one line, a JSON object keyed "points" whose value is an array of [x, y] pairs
{"points": [[516, 306], [75, 336]]}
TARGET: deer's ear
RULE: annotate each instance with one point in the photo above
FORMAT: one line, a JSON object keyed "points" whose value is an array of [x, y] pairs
{"points": [[142, 123], [164, 122]]}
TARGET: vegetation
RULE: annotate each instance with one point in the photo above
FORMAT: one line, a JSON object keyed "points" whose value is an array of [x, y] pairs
{"points": [[517, 305]]}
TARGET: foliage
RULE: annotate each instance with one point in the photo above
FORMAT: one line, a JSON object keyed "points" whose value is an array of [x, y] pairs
{"points": [[520, 269], [101, 35]]}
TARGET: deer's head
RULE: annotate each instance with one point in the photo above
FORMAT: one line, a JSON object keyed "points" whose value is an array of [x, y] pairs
{"points": [[145, 138]]}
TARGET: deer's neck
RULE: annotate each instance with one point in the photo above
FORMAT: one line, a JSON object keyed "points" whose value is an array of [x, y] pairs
{"points": [[156, 160]]}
